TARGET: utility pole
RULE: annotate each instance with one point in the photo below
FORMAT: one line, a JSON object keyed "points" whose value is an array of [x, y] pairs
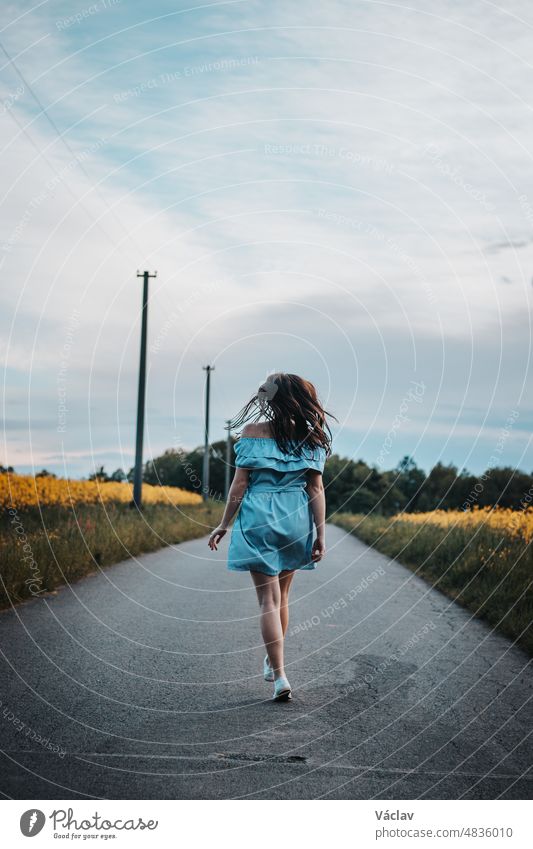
{"points": [[138, 473], [205, 474], [228, 461]]}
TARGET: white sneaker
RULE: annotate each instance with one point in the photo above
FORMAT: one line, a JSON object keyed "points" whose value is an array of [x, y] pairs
{"points": [[282, 690], [268, 672]]}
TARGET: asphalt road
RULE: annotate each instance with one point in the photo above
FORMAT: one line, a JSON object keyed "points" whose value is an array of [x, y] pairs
{"points": [[147, 676]]}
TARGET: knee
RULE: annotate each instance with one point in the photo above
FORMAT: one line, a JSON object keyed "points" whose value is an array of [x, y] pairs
{"points": [[270, 601], [284, 594]]}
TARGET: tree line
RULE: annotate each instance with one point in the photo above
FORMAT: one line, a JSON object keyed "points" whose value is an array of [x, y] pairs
{"points": [[354, 486]]}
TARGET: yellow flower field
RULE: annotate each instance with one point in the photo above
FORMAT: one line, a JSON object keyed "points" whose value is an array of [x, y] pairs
{"points": [[21, 491], [54, 531], [515, 523]]}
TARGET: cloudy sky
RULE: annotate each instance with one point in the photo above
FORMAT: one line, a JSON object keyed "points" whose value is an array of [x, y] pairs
{"points": [[343, 190]]}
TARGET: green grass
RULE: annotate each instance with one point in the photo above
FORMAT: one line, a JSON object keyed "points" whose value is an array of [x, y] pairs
{"points": [[489, 572], [40, 551]]}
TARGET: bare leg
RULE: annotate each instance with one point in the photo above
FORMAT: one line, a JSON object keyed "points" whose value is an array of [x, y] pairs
{"points": [[285, 581], [269, 597]]}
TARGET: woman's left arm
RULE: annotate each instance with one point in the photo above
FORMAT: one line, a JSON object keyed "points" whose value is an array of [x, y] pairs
{"points": [[236, 492]]}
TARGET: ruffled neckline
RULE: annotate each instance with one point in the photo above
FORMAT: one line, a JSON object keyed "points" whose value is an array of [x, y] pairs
{"points": [[271, 439], [258, 452], [273, 448]]}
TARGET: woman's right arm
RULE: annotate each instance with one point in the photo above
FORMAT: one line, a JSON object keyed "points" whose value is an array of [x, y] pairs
{"points": [[317, 500], [235, 496]]}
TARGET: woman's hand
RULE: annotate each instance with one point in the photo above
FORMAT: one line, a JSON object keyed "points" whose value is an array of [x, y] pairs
{"points": [[318, 550], [216, 536]]}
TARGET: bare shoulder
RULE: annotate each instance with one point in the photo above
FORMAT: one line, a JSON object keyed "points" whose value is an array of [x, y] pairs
{"points": [[256, 430]]}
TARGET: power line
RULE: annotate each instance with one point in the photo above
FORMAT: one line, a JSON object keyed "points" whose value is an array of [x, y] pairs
{"points": [[66, 144], [60, 177]]}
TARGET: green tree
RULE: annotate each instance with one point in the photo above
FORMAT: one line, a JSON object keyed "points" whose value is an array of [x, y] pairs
{"points": [[170, 469], [409, 481], [440, 488], [99, 474]]}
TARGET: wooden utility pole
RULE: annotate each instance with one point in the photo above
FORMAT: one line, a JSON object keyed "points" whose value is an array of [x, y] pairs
{"points": [[205, 474], [227, 477], [138, 473]]}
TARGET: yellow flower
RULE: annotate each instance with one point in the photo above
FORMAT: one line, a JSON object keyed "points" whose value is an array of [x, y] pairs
{"points": [[512, 523], [19, 491]]}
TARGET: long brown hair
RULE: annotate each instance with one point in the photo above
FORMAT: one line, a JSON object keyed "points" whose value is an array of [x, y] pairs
{"points": [[291, 405]]}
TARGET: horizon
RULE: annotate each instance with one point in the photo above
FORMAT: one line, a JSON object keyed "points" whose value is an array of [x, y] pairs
{"points": [[199, 449]]}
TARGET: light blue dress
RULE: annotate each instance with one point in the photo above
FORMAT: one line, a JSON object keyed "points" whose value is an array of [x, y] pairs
{"points": [[273, 531]]}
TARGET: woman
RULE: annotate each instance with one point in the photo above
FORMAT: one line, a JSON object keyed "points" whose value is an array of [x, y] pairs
{"points": [[278, 487]]}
